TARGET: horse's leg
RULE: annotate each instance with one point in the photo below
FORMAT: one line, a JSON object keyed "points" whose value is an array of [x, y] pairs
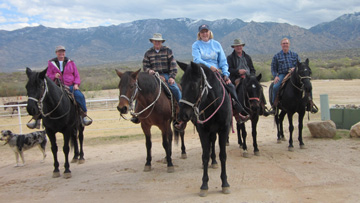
{"points": [[254, 122], [183, 148], [54, 149], [238, 127], [81, 141], [222, 155], [280, 126], [76, 147], [301, 117], [205, 144], [147, 132], [167, 145], [214, 163], [67, 136], [291, 129], [244, 135]]}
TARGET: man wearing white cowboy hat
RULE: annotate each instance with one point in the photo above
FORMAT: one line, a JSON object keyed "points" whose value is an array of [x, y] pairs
{"points": [[160, 59], [240, 66]]}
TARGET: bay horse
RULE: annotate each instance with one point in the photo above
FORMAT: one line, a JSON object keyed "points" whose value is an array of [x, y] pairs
{"points": [[153, 108], [293, 98], [207, 104], [59, 114], [250, 92]]}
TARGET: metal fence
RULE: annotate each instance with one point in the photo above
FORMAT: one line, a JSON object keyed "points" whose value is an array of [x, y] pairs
{"points": [[105, 109]]}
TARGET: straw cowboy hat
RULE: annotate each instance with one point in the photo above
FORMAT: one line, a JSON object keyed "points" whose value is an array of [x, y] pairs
{"points": [[237, 42], [157, 37]]}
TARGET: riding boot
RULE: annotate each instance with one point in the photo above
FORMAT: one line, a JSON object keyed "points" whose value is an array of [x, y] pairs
{"points": [[239, 112], [34, 124], [263, 111], [180, 125], [85, 119], [311, 107], [135, 120], [273, 107]]}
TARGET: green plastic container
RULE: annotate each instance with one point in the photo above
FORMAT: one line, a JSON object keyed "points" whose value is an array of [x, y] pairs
{"points": [[344, 118]]}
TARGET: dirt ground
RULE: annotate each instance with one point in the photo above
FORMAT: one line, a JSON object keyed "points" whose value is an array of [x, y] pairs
{"points": [[327, 171]]}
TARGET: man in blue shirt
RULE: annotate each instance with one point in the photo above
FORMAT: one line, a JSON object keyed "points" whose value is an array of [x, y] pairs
{"points": [[282, 63]]}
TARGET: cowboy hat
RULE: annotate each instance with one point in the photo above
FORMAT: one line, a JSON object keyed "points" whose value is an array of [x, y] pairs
{"points": [[237, 42], [157, 37]]}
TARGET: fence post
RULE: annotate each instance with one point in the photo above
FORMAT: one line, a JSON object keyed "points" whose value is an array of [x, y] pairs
{"points": [[324, 107], [19, 116]]}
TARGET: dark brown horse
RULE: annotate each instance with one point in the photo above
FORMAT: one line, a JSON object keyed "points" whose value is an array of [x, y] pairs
{"points": [[153, 108]]}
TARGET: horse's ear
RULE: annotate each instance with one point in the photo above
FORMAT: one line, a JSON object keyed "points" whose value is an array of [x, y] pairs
{"points": [[259, 77], [182, 65], [195, 68], [28, 71], [307, 62], [42, 74], [119, 73], [135, 74]]}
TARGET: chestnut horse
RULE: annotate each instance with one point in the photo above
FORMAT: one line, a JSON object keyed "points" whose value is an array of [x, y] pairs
{"points": [[153, 108]]}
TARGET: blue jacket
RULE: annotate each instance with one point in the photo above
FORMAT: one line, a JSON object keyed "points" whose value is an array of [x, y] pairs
{"points": [[210, 53]]}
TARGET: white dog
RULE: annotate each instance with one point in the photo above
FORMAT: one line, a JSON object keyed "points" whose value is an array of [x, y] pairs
{"points": [[21, 142]]}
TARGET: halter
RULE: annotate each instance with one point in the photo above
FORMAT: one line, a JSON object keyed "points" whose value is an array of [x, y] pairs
{"points": [[204, 87], [41, 105], [133, 96]]}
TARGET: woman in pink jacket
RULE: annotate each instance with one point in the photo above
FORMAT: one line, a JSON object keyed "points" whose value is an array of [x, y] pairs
{"points": [[65, 69]]}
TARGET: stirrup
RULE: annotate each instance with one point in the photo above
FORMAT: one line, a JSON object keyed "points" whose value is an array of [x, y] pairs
{"points": [[34, 124], [85, 121]]}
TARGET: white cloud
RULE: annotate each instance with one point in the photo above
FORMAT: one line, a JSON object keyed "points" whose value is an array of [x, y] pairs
{"points": [[90, 13]]}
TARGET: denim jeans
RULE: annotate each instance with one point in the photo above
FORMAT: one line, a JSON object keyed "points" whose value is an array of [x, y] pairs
{"points": [[174, 88], [276, 86], [79, 97]]}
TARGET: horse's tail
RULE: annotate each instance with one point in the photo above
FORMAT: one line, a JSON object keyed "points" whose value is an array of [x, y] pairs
{"points": [[176, 133], [73, 138]]}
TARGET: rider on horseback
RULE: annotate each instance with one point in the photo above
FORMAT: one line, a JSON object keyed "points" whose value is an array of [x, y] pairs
{"points": [[65, 69], [283, 62], [160, 59], [241, 66]]}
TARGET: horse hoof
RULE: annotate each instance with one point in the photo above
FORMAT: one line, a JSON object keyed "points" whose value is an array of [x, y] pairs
{"points": [[278, 141], [226, 190], [147, 168], [214, 166], [257, 153], [203, 193], [170, 169], [246, 155], [74, 160], [302, 147], [56, 174], [283, 139], [67, 175], [183, 156], [81, 161], [291, 149]]}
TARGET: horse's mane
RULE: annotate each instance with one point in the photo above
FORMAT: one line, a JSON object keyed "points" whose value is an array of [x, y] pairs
{"points": [[148, 83]]}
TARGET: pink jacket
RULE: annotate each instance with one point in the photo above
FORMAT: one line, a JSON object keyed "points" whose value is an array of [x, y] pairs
{"points": [[70, 75]]}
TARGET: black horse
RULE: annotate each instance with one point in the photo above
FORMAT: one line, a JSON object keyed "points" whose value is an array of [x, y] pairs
{"points": [[206, 102], [59, 114], [293, 98], [251, 93]]}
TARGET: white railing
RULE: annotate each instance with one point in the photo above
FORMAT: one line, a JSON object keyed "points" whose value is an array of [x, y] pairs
{"points": [[92, 105]]}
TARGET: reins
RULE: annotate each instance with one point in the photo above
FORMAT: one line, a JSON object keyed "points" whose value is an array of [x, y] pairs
{"points": [[204, 89], [41, 104]]}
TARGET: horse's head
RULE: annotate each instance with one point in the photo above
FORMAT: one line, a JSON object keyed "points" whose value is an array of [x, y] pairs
{"points": [[304, 73], [253, 91], [191, 83], [127, 87], [34, 89]]}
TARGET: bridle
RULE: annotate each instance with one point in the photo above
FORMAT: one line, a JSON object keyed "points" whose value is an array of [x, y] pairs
{"points": [[134, 95], [301, 78], [40, 101], [204, 89]]}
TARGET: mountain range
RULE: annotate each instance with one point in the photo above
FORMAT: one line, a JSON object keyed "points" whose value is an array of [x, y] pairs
{"points": [[34, 46]]}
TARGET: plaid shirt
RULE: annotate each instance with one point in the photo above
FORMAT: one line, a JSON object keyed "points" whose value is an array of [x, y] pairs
{"points": [[281, 63], [161, 62]]}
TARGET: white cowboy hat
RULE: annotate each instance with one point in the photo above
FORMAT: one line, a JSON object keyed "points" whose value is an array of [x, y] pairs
{"points": [[157, 37]]}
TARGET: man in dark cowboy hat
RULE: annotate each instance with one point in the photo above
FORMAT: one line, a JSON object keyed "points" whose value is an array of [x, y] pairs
{"points": [[240, 66], [160, 59]]}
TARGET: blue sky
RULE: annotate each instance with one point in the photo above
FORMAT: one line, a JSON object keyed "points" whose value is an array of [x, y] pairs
{"points": [[16, 14]]}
